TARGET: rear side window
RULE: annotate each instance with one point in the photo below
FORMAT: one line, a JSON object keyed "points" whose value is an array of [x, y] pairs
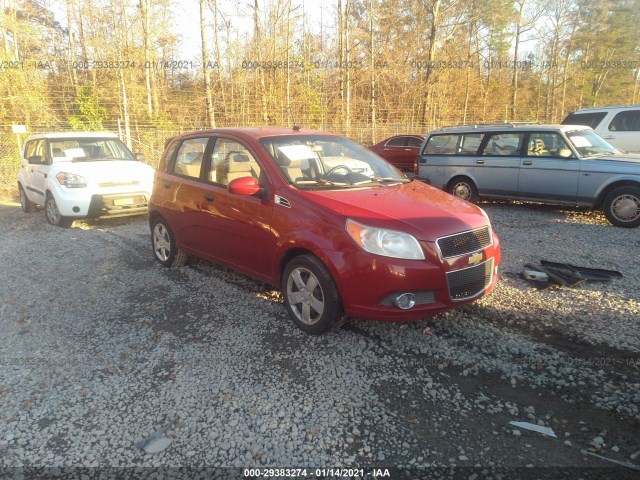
{"points": [[591, 119], [626, 122], [169, 153], [441, 145], [396, 142], [503, 145], [469, 144], [190, 157]]}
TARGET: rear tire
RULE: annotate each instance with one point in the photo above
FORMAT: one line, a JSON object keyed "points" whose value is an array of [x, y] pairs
{"points": [[622, 207], [164, 245], [311, 296], [27, 205], [464, 188], [53, 214]]}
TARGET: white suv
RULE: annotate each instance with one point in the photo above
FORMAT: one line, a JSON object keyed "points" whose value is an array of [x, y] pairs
{"points": [[618, 125], [82, 175]]}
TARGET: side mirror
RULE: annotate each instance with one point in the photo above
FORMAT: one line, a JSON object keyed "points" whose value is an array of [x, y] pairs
{"points": [[140, 157], [244, 186], [35, 160]]}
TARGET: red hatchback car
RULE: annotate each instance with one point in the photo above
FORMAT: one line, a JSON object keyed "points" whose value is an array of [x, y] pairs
{"points": [[401, 150], [340, 231]]}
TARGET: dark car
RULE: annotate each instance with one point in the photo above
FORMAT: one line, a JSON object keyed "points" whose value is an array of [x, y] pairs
{"points": [[338, 229], [400, 150]]}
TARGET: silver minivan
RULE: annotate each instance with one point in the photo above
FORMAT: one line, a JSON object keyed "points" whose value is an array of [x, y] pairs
{"points": [[556, 164]]}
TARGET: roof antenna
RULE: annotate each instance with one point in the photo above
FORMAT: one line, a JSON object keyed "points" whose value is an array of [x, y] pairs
{"points": [[296, 128]]}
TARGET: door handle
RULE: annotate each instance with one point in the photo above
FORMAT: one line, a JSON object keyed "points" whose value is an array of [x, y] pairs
{"points": [[609, 137], [208, 197], [166, 185], [527, 162], [480, 162]]}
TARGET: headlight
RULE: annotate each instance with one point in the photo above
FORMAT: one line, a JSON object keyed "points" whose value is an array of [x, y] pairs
{"points": [[71, 180], [388, 243]]}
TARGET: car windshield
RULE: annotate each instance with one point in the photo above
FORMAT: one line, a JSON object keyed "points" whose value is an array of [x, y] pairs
{"points": [[590, 144], [329, 161], [88, 149]]}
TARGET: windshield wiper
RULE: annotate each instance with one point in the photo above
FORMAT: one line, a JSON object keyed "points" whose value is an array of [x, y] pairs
{"points": [[322, 181], [390, 179]]}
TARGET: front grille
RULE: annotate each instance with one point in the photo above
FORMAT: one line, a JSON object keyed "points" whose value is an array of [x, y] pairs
{"points": [[470, 282], [422, 298], [465, 242]]}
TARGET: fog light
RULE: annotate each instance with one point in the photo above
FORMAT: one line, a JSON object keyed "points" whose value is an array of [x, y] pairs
{"points": [[405, 301], [75, 209]]}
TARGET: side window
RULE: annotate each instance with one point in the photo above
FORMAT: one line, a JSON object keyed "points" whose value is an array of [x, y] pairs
{"points": [[626, 122], [168, 155], [548, 145], [414, 142], [190, 157], [231, 160], [441, 145], [396, 142], [469, 144], [503, 145], [589, 119], [30, 148]]}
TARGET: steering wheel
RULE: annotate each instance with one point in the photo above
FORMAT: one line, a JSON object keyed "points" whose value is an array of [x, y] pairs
{"points": [[338, 167]]}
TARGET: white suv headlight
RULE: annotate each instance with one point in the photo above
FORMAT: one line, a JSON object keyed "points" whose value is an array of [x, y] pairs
{"points": [[71, 180], [389, 243]]}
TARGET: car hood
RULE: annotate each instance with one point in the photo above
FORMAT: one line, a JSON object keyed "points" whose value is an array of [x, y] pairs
{"points": [[621, 157], [109, 171], [416, 208]]}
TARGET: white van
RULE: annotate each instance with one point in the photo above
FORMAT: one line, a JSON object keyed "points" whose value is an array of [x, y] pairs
{"points": [[618, 125]]}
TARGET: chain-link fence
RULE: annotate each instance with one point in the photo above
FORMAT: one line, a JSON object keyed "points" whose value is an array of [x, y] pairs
{"points": [[9, 163]]}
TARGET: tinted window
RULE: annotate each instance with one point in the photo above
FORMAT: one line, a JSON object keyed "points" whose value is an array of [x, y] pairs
{"points": [[414, 142], [231, 160], [626, 122], [503, 144], [548, 145], [590, 119], [396, 142], [190, 157], [442, 145]]}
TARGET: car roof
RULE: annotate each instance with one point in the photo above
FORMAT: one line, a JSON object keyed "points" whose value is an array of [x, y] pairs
{"points": [[255, 132], [73, 135], [608, 107], [506, 127]]}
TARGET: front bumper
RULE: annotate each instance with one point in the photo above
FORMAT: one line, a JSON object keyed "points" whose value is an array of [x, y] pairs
{"points": [[89, 203], [367, 282]]}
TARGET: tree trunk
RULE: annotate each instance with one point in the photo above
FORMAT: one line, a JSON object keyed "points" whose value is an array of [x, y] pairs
{"points": [[144, 12], [211, 119]]}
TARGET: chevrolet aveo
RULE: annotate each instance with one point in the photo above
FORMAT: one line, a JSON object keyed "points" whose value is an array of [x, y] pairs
{"points": [[339, 230]]}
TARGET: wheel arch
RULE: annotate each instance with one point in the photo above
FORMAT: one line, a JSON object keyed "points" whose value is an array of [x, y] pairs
{"points": [[599, 203]]}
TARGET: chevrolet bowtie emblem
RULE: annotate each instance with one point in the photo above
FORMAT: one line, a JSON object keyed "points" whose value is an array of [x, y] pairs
{"points": [[475, 258]]}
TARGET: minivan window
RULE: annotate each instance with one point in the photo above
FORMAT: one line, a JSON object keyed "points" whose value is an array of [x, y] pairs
{"points": [[591, 119], [190, 157], [442, 145], [628, 121], [503, 144]]}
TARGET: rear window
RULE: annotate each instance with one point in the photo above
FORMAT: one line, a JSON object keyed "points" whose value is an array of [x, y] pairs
{"points": [[591, 119], [628, 121]]}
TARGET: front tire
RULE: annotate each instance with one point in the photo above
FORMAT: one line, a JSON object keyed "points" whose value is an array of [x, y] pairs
{"points": [[464, 188], [164, 245], [622, 207], [53, 214], [27, 205], [311, 296]]}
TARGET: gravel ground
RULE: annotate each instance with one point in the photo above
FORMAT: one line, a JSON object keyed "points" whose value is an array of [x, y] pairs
{"points": [[105, 353]]}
